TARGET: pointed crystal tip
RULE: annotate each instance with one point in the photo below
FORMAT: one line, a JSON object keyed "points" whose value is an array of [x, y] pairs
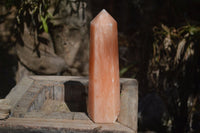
{"points": [[103, 10], [103, 16]]}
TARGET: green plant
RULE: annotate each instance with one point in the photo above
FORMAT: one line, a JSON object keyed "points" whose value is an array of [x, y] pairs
{"points": [[38, 16], [173, 71], [35, 13]]}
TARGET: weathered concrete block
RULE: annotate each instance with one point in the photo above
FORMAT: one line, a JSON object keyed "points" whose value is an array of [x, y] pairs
{"points": [[18, 91], [58, 104], [129, 104], [4, 108]]}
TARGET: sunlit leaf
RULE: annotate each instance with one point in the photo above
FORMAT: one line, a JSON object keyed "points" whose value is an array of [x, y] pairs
{"points": [[124, 70], [44, 24], [50, 15], [192, 30]]}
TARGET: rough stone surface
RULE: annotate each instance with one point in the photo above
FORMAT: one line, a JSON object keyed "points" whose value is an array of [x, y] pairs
{"points": [[4, 102], [39, 104], [4, 108], [129, 104], [4, 116], [18, 91], [27, 125], [54, 106]]}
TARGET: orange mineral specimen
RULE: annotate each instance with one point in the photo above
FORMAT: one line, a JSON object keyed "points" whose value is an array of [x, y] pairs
{"points": [[104, 87]]}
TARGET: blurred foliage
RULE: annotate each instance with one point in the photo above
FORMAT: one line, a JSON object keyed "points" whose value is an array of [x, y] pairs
{"points": [[38, 16], [174, 71], [37, 12], [125, 69]]}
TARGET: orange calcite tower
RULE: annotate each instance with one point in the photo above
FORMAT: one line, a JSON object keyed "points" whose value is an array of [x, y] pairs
{"points": [[104, 87]]}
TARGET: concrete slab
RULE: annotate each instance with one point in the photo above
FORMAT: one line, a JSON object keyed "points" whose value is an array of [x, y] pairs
{"points": [[59, 104]]}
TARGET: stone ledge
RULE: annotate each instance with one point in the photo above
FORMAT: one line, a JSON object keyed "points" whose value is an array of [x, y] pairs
{"points": [[32, 92], [30, 125]]}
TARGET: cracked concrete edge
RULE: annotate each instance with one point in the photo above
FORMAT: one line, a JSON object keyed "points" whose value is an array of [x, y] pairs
{"points": [[129, 104], [18, 91], [56, 125], [76, 78]]}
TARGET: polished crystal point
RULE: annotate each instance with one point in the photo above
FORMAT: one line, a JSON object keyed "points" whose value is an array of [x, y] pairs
{"points": [[104, 86]]}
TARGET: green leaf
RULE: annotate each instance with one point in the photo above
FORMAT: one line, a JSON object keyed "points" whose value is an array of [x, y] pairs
{"points": [[124, 70], [193, 30], [44, 24], [50, 15], [40, 27]]}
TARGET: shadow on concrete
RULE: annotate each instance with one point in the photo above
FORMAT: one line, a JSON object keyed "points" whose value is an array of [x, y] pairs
{"points": [[75, 96]]}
